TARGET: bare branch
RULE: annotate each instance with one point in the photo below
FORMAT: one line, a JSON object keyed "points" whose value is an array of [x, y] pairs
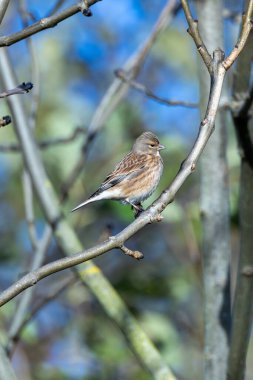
{"points": [[194, 32], [152, 213], [3, 8], [47, 22], [45, 144], [121, 74], [28, 201], [23, 88], [245, 31], [135, 254], [6, 369], [22, 307]]}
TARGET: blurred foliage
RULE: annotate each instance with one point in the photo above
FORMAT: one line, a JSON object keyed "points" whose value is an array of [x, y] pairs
{"points": [[71, 337]]}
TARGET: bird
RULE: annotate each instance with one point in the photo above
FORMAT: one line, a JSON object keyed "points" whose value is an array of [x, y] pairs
{"points": [[135, 177]]}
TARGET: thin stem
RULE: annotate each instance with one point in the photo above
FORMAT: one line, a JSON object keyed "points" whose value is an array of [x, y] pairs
{"points": [[194, 32], [3, 8], [23, 88], [121, 74], [45, 23], [245, 31]]}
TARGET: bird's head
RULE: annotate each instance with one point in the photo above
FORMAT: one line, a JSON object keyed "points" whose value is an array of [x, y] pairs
{"points": [[147, 143]]}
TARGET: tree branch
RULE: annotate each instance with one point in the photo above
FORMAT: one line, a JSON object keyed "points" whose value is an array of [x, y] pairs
{"points": [[66, 238], [194, 32], [135, 254], [45, 144], [3, 8], [6, 369], [47, 22], [121, 74], [150, 215], [247, 25], [23, 88]]}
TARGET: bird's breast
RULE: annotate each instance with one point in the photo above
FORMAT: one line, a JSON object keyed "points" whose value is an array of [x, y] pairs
{"points": [[145, 184]]}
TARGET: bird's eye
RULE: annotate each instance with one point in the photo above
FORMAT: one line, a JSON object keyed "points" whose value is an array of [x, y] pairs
{"points": [[152, 145]]}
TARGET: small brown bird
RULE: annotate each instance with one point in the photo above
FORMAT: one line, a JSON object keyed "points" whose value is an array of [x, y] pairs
{"points": [[136, 177]]}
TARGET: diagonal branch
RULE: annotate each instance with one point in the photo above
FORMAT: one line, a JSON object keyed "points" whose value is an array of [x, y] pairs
{"points": [[194, 32], [23, 88], [151, 214], [46, 23], [3, 8], [45, 144], [121, 74], [247, 25]]}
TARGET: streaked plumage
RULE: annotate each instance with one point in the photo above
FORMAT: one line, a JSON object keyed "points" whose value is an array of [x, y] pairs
{"points": [[136, 177]]}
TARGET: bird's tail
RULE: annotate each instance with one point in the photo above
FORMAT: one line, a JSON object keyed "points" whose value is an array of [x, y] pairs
{"points": [[91, 199]]}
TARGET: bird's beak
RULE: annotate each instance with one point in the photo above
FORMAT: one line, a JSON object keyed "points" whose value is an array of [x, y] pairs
{"points": [[160, 147]]}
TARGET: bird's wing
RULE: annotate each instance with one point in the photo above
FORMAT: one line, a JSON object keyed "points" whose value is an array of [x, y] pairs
{"points": [[131, 165]]}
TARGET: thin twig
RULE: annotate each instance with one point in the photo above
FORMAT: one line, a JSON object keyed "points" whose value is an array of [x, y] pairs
{"points": [[121, 74], [28, 201], [35, 74], [45, 144], [135, 254], [25, 301], [23, 88], [245, 31], [27, 183], [45, 23], [3, 8], [194, 32]]}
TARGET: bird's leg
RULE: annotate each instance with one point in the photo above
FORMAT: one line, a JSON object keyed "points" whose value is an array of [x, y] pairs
{"points": [[137, 209]]}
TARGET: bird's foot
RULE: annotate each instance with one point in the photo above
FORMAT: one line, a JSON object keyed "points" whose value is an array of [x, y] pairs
{"points": [[137, 208]]}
